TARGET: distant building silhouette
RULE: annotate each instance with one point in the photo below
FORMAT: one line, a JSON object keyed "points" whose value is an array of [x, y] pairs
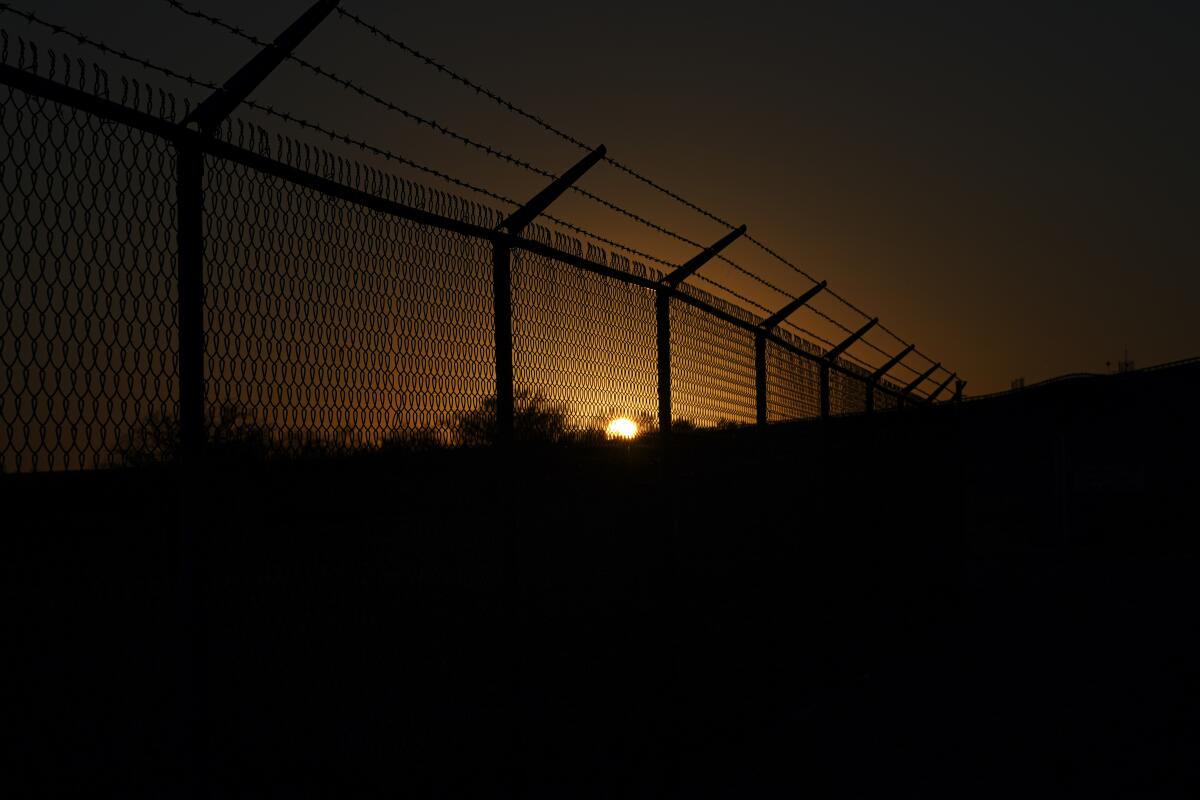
{"points": [[1125, 364]]}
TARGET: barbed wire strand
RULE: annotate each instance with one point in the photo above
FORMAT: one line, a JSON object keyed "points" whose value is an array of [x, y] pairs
{"points": [[337, 136], [563, 135], [489, 150], [288, 117], [442, 129]]}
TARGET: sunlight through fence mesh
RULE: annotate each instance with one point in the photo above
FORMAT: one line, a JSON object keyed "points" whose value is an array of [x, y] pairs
{"points": [[712, 369], [334, 326], [343, 308], [583, 344], [793, 389]]}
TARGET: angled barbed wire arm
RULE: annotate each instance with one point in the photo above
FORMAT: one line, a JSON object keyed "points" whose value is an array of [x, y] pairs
{"points": [[844, 345], [519, 219], [511, 227], [832, 356], [878, 374], [662, 318], [760, 348], [220, 104], [907, 390], [941, 388], [779, 316], [700, 259]]}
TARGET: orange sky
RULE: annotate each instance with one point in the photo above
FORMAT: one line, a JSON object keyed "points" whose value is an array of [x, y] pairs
{"points": [[1008, 188]]}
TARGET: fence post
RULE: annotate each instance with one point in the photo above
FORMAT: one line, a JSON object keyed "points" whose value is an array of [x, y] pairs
{"points": [[877, 376], [760, 347], [189, 199], [760, 343], [189, 288], [832, 356], [662, 314], [824, 390], [207, 118], [502, 305], [760, 378], [511, 227], [662, 311], [189, 189]]}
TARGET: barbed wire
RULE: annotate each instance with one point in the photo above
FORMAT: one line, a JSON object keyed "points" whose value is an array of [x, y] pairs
{"points": [[482, 147], [563, 135], [539, 121], [365, 146], [285, 116], [882, 327], [433, 124], [358, 89], [288, 117], [528, 166], [104, 48]]}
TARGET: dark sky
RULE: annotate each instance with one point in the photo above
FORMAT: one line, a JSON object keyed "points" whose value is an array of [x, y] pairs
{"points": [[1009, 185]]}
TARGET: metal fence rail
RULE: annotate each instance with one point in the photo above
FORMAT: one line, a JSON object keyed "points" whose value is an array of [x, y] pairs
{"points": [[266, 290]]}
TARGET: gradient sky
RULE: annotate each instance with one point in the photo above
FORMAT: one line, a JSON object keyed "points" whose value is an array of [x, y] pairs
{"points": [[1009, 185]]}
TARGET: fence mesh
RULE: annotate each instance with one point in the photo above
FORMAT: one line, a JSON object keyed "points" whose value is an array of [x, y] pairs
{"points": [[327, 324], [584, 344], [87, 285], [885, 402], [793, 385], [847, 395], [333, 325], [712, 369]]}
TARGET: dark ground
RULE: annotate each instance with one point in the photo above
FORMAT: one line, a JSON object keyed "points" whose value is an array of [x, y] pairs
{"points": [[997, 599]]}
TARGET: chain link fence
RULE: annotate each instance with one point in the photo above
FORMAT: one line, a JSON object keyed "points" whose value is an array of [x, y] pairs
{"points": [[332, 325], [87, 285], [343, 308], [583, 343]]}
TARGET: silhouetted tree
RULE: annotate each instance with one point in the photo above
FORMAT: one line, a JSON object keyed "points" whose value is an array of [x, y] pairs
{"points": [[230, 434], [535, 421], [421, 440], [647, 423]]}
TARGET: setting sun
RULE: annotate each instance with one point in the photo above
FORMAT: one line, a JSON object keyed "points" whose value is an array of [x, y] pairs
{"points": [[622, 428]]}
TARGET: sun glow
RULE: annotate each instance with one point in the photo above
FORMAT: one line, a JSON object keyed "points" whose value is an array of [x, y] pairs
{"points": [[622, 428]]}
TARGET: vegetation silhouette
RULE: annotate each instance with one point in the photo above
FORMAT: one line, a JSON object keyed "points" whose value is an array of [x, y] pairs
{"points": [[535, 421], [230, 432], [419, 440], [734, 621], [233, 435]]}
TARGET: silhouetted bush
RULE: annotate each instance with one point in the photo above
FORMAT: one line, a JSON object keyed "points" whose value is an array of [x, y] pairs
{"points": [[535, 421], [230, 434], [308, 446], [412, 441], [233, 435]]}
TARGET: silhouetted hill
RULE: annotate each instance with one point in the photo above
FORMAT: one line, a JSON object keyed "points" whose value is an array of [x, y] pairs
{"points": [[950, 601]]}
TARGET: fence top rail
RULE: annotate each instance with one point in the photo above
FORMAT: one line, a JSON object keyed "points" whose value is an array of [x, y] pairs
{"points": [[105, 108]]}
